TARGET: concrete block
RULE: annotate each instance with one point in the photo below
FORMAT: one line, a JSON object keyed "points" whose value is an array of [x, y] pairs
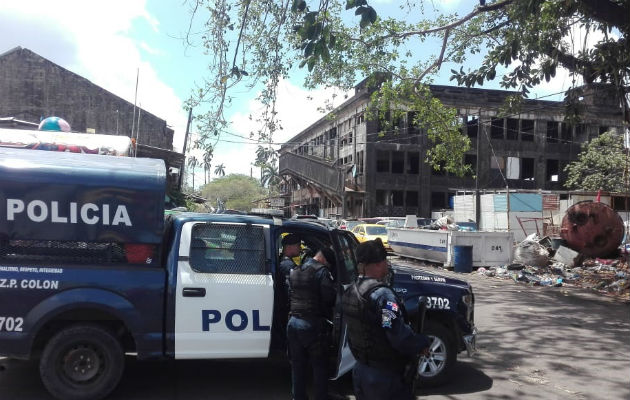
{"points": [[566, 256]]}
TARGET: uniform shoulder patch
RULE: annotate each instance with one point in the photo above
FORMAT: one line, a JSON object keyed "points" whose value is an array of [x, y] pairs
{"points": [[391, 305]]}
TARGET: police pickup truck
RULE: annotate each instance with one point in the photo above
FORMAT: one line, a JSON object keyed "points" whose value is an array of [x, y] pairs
{"points": [[91, 272]]}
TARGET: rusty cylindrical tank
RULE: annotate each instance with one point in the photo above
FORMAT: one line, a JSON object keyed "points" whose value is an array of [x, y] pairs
{"points": [[593, 229]]}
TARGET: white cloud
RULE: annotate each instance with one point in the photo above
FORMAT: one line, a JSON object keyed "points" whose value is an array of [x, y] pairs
{"points": [[297, 109], [447, 5], [145, 46], [98, 36]]}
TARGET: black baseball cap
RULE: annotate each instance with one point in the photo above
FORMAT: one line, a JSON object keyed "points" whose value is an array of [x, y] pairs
{"points": [[291, 238], [371, 252]]}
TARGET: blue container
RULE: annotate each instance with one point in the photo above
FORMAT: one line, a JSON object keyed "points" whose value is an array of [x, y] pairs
{"points": [[462, 256]]}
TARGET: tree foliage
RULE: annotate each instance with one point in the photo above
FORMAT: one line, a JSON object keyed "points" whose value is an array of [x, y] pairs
{"points": [[236, 191], [340, 42], [600, 165]]}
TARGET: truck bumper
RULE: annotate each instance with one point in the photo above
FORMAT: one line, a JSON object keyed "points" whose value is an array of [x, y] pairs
{"points": [[471, 342]]}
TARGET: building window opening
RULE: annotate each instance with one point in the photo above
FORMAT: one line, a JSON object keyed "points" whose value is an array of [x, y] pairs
{"points": [[603, 129], [437, 172], [471, 161], [381, 197], [411, 199], [528, 172], [580, 130], [566, 132], [512, 129], [438, 200], [552, 132], [527, 130], [360, 163], [496, 128], [553, 170], [382, 161], [413, 163], [472, 126], [398, 162], [384, 122], [397, 198], [412, 127]]}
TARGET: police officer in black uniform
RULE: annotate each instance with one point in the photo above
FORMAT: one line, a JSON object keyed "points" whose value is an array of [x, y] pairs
{"points": [[380, 338], [290, 248], [312, 297]]}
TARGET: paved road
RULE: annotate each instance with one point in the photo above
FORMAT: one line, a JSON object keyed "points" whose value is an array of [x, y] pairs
{"points": [[535, 343]]}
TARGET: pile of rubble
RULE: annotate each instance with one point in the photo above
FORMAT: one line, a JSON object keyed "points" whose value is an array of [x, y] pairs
{"points": [[536, 263]]}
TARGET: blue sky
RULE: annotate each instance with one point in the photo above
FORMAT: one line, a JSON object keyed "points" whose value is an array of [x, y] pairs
{"points": [[107, 42]]}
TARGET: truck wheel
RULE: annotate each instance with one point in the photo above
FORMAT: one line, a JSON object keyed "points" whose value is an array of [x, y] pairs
{"points": [[434, 370], [82, 362]]}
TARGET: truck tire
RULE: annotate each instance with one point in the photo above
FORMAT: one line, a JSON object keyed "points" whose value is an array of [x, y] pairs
{"points": [[82, 362], [435, 369]]}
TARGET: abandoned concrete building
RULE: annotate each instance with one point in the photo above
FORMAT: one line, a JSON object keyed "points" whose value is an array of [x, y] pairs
{"points": [[342, 167], [32, 88]]}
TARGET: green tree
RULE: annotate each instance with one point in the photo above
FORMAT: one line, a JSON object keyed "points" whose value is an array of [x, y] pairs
{"points": [[262, 41], [236, 191], [219, 170], [600, 165], [207, 165], [193, 163]]}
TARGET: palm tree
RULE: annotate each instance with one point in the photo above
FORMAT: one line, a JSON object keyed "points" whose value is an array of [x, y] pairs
{"points": [[270, 176], [219, 170], [192, 164], [207, 159]]}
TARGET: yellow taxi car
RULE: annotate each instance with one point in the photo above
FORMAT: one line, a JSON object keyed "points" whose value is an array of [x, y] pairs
{"points": [[364, 232]]}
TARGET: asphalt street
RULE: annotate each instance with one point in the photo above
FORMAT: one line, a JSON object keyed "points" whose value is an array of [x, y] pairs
{"points": [[534, 343]]}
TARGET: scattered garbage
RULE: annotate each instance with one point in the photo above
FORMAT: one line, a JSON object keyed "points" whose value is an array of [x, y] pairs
{"points": [[565, 267], [605, 278], [531, 252]]}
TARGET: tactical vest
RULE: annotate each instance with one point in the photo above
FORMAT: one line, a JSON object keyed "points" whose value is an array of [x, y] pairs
{"points": [[368, 341], [304, 290]]}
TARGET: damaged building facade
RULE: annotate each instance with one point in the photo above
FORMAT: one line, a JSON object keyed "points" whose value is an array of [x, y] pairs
{"points": [[342, 167]]}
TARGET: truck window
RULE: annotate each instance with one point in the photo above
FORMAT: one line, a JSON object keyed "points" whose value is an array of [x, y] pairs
{"points": [[349, 270], [227, 249]]}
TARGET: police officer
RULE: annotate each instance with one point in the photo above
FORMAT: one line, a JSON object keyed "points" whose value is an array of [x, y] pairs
{"points": [[312, 296], [380, 339], [290, 249]]}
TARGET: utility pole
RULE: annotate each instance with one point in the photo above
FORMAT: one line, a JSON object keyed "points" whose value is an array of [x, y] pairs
{"points": [[181, 175]]}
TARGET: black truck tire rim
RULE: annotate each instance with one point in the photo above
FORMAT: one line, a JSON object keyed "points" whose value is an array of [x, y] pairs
{"points": [[82, 363], [433, 364]]}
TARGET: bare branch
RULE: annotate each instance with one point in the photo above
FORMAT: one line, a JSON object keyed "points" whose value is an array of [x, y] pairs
{"points": [[474, 13], [437, 63]]}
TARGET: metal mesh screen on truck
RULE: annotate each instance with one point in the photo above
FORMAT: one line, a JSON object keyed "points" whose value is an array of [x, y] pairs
{"points": [[61, 252], [228, 249]]}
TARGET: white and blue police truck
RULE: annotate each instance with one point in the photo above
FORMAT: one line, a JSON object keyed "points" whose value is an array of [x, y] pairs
{"points": [[92, 272]]}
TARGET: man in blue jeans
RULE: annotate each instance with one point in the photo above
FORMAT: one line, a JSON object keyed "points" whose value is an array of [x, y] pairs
{"points": [[312, 297]]}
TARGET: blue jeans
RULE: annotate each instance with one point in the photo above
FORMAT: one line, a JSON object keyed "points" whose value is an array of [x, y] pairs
{"points": [[307, 346], [378, 384]]}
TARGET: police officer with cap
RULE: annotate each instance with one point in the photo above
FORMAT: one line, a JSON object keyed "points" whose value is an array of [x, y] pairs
{"points": [[312, 297], [291, 247], [380, 339]]}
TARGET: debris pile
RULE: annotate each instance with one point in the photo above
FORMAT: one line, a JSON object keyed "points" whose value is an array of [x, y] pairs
{"points": [[537, 263]]}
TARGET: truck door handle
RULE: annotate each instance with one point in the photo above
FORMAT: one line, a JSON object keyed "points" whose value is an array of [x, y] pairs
{"points": [[194, 292]]}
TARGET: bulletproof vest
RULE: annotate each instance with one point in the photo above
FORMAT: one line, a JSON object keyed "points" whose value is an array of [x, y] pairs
{"points": [[368, 341], [304, 290]]}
